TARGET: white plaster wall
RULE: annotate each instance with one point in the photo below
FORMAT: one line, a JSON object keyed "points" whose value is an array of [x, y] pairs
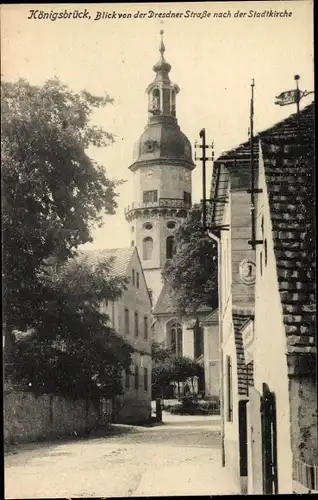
{"points": [[231, 436], [211, 360], [270, 365], [169, 180]]}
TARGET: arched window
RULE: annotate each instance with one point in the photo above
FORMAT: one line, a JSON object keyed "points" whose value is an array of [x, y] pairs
{"points": [[174, 337], [173, 103], [198, 341], [170, 247], [156, 100], [147, 248]]}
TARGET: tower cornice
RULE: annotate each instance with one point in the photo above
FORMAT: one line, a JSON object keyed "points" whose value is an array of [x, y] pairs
{"points": [[163, 161]]}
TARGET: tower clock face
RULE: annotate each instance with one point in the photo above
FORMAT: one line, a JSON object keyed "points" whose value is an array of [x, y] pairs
{"points": [[149, 146], [248, 272]]}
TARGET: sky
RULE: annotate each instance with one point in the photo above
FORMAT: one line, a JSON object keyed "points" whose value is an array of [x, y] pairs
{"points": [[213, 61]]}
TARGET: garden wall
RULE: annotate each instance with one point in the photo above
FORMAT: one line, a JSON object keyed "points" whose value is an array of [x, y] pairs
{"points": [[29, 418]]}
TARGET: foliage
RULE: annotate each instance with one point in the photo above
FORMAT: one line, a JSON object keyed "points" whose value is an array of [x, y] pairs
{"points": [[160, 353], [53, 195], [167, 368], [192, 272], [53, 192], [71, 350]]}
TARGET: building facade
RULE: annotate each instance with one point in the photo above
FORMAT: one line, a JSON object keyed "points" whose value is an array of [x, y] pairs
{"points": [[130, 316], [236, 303], [275, 356]]}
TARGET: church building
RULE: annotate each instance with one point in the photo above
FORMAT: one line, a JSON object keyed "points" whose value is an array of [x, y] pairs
{"points": [[162, 186]]}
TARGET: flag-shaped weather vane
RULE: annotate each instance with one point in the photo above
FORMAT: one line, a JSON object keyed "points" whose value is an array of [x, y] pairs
{"points": [[292, 96]]}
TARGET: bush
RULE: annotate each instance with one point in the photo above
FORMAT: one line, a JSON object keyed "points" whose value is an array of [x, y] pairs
{"points": [[191, 406]]}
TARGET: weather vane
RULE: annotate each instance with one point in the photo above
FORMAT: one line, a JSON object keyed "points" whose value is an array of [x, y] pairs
{"points": [[292, 96]]}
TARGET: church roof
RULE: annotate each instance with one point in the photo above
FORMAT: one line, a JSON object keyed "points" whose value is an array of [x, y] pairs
{"points": [[163, 140], [121, 258], [166, 303]]}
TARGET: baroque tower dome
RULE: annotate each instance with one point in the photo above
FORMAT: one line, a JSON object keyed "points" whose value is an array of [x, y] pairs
{"points": [[162, 139]]}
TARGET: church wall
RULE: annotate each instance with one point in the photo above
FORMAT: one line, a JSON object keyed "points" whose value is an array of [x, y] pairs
{"points": [[211, 360]]}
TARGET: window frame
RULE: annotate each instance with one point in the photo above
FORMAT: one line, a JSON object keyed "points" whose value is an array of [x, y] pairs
{"points": [[127, 329], [229, 389], [146, 333], [146, 379], [150, 196], [136, 327], [136, 382]]}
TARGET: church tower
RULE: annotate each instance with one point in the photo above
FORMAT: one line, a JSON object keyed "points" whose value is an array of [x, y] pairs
{"points": [[161, 167]]}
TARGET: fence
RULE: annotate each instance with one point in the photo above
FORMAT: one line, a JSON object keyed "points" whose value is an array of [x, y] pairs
{"points": [[306, 475]]}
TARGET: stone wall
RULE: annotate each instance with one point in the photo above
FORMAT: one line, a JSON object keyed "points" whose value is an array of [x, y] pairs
{"points": [[303, 402], [29, 418]]}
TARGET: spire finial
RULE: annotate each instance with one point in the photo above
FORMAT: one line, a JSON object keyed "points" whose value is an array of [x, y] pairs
{"points": [[162, 47]]}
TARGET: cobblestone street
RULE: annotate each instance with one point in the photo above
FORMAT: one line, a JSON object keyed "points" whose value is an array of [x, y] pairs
{"points": [[180, 457]]}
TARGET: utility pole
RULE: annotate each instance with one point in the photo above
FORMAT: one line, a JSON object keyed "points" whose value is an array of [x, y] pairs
{"points": [[253, 242], [204, 159]]}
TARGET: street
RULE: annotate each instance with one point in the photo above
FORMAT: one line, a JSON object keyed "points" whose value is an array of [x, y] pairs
{"points": [[180, 457]]}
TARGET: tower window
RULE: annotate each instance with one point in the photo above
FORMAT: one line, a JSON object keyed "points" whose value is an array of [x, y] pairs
{"points": [[133, 276], [137, 280], [170, 247], [173, 103], [148, 226], [166, 101], [171, 224], [150, 196], [187, 197], [147, 248], [156, 101]]}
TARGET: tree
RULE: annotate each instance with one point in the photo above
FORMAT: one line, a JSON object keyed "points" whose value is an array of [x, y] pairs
{"points": [[168, 368], [192, 272], [72, 350], [53, 192]]}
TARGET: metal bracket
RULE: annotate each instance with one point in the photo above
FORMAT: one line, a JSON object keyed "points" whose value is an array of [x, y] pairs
{"points": [[254, 191], [255, 242]]}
